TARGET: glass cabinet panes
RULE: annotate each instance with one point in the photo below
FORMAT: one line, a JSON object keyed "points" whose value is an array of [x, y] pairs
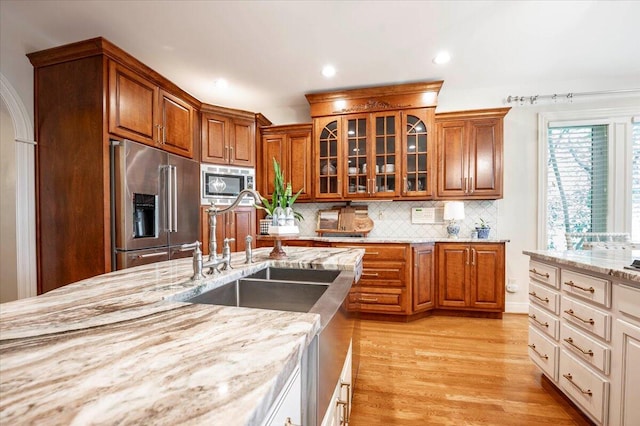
{"points": [[328, 159], [356, 138], [386, 166], [416, 155]]}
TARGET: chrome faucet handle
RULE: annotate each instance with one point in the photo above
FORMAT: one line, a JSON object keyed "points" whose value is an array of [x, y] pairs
{"points": [[247, 249], [197, 260]]}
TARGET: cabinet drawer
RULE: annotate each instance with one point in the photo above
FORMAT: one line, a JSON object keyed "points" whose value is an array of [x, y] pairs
{"points": [[383, 273], [596, 290], [545, 297], [628, 301], [587, 317], [544, 273], [379, 251], [586, 348], [584, 386], [544, 321], [543, 352], [383, 300]]}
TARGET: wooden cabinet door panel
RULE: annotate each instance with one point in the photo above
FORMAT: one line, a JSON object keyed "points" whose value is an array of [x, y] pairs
{"points": [[453, 275], [452, 158], [243, 223], [299, 163], [485, 163], [423, 279], [177, 125], [132, 105], [215, 138], [487, 276], [242, 143], [273, 146]]}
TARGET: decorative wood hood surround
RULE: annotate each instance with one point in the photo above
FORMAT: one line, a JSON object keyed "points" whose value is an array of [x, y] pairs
{"points": [[372, 99]]}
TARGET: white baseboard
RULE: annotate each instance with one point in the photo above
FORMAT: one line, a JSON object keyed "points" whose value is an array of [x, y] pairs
{"points": [[516, 307]]}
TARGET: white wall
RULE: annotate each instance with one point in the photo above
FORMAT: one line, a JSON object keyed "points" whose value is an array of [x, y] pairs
{"points": [[8, 258]]}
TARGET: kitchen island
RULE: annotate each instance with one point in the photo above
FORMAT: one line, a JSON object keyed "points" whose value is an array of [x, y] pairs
{"points": [[118, 348], [584, 329]]}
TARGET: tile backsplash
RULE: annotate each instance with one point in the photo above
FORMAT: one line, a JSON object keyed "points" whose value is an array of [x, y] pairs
{"points": [[393, 219]]}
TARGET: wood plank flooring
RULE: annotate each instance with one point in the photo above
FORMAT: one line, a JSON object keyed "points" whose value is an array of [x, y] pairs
{"points": [[444, 370]]}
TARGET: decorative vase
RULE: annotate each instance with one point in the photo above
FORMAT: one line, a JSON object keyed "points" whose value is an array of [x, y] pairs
{"points": [[483, 233], [289, 218]]}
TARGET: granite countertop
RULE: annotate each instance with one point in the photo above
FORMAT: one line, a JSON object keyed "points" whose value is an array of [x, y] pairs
{"points": [[117, 349], [607, 262], [391, 240]]}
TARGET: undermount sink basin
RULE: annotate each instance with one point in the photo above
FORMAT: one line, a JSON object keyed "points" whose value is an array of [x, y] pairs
{"points": [[295, 290]]}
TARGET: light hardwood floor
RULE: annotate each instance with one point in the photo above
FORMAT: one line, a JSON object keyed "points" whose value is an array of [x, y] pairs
{"points": [[453, 371]]}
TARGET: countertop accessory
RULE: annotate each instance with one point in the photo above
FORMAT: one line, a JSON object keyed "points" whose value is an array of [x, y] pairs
{"points": [[343, 220], [453, 210]]}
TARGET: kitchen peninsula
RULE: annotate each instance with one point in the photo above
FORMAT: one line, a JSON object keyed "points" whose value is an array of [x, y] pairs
{"points": [[118, 348]]}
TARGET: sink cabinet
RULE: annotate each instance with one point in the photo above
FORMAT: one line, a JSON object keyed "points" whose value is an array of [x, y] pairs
{"points": [[379, 144], [470, 158], [228, 136]]}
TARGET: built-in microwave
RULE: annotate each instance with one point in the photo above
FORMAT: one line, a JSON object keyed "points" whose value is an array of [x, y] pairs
{"points": [[222, 184]]}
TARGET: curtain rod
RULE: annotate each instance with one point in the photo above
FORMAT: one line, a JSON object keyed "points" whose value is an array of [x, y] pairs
{"points": [[566, 96]]}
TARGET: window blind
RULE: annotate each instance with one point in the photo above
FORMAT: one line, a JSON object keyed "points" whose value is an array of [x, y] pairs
{"points": [[635, 184], [577, 170]]}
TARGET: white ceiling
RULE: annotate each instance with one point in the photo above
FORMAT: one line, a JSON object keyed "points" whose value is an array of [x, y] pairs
{"points": [[271, 52]]}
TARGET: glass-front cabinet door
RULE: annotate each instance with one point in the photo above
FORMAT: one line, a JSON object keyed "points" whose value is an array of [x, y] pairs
{"points": [[386, 154], [418, 153], [328, 158], [355, 137]]}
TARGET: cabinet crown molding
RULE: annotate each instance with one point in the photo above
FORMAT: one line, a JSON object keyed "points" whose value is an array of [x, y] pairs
{"points": [[473, 114], [371, 99]]}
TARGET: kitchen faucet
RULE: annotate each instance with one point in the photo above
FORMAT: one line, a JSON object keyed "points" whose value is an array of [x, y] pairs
{"points": [[218, 262]]}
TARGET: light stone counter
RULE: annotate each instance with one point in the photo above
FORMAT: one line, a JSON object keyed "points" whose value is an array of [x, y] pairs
{"points": [[115, 349], [607, 262], [356, 240]]}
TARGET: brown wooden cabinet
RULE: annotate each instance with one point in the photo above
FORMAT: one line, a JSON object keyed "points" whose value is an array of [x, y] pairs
{"points": [[389, 129], [236, 224], [141, 111], [423, 279], [228, 136], [290, 145], [85, 94], [471, 276], [470, 160]]}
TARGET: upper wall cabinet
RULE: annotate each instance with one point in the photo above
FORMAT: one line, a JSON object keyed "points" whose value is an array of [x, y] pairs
{"points": [[290, 145], [375, 143], [141, 111], [228, 136], [470, 154]]}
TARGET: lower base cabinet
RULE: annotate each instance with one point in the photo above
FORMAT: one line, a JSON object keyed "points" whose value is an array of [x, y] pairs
{"points": [[339, 409], [288, 405]]}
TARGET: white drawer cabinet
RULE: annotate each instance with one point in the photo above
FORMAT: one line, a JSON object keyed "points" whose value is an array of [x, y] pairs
{"points": [[587, 317], [543, 352], [545, 297], [596, 290], [544, 273], [586, 348], [545, 321], [589, 390]]}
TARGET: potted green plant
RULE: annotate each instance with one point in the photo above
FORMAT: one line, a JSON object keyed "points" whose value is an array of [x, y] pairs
{"points": [[483, 229], [281, 200]]}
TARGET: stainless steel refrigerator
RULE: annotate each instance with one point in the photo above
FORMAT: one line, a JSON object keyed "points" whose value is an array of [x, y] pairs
{"points": [[155, 204]]}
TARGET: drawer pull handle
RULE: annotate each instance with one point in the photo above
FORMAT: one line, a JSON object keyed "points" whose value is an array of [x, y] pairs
{"points": [[369, 274], [368, 299], [533, 293], [533, 348], [372, 253], [569, 377], [546, 275], [536, 320], [570, 312], [569, 340], [574, 285], [348, 407]]}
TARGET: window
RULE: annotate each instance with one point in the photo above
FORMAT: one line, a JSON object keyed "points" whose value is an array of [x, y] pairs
{"points": [[589, 174], [635, 185], [577, 158]]}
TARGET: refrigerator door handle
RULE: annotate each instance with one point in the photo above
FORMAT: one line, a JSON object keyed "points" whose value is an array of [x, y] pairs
{"points": [[169, 190], [174, 199]]}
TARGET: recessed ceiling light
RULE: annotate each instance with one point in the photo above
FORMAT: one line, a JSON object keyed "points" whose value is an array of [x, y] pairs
{"points": [[221, 83], [328, 71], [442, 58]]}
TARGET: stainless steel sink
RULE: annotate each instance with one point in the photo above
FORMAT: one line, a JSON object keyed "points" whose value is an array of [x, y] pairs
{"points": [[295, 290]]}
